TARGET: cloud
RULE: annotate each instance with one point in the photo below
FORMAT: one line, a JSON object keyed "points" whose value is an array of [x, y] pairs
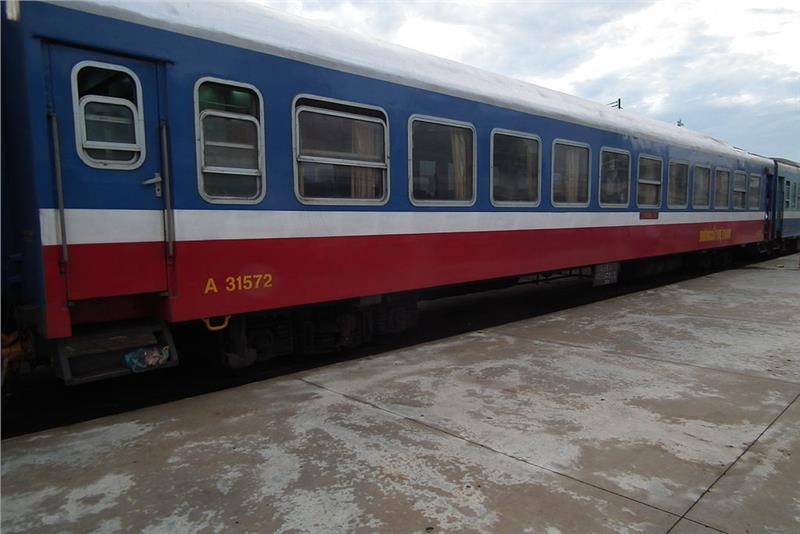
{"points": [[459, 42], [703, 62]]}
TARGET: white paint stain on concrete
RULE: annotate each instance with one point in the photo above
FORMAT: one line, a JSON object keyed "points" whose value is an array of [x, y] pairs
{"points": [[19, 509], [75, 449], [91, 499], [651, 485], [315, 510], [109, 526], [182, 521]]}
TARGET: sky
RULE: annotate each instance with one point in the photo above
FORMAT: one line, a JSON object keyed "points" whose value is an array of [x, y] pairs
{"points": [[727, 69]]}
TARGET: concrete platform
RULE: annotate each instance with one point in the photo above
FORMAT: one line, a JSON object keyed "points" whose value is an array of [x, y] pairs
{"points": [[671, 410]]}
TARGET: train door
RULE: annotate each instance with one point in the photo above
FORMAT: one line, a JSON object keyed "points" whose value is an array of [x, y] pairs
{"points": [[110, 205], [774, 204], [780, 196]]}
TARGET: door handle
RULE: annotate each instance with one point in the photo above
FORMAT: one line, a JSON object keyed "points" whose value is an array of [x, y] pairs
{"points": [[155, 181]]}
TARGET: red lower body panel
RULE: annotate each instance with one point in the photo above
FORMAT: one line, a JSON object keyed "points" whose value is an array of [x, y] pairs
{"points": [[209, 275], [222, 277]]}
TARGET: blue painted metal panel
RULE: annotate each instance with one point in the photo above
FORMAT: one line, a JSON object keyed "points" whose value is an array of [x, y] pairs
{"points": [[791, 227], [188, 58], [24, 164], [789, 198], [89, 187]]}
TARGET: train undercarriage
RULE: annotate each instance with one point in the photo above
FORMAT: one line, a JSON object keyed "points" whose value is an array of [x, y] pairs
{"points": [[118, 348]]}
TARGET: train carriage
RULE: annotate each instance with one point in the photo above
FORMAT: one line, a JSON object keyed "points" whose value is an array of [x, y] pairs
{"points": [[786, 204], [234, 167]]}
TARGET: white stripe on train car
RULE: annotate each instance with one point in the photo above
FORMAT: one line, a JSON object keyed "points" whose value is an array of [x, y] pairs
{"points": [[103, 226], [86, 226]]}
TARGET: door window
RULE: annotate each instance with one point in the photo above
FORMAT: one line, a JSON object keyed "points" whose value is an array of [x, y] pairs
{"points": [[107, 103]]}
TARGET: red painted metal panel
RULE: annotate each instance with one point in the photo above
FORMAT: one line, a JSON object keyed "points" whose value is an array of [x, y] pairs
{"points": [[311, 270], [57, 322], [212, 278], [106, 270]]}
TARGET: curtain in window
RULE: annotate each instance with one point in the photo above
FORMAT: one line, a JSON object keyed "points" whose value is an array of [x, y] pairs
{"points": [[529, 170], [458, 142], [573, 172], [364, 142]]}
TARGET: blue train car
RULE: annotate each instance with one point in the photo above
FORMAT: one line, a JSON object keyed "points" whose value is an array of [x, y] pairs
{"points": [[786, 200], [231, 166]]}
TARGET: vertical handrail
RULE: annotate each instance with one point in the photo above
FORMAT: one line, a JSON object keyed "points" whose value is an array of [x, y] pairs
{"points": [[59, 189], [169, 216]]}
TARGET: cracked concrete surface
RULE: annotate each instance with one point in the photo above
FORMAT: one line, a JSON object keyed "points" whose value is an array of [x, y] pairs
{"points": [[671, 410]]}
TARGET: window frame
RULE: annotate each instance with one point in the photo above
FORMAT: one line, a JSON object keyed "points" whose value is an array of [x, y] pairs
{"points": [[730, 188], [669, 164], [710, 186], [515, 203], [410, 161], [600, 177], [787, 193], [797, 195], [734, 190], [568, 142], [660, 183], [749, 203], [79, 120], [199, 135], [296, 157]]}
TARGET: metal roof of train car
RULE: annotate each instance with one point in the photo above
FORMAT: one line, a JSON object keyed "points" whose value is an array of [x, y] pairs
{"points": [[785, 161], [258, 28]]}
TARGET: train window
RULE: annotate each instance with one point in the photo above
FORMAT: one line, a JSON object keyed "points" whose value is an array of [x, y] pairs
{"points": [[701, 188], [678, 185], [442, 161], [649, 182], [722, 186], [739, 190], [570, 174], [754, 192], [615, 178], [108, 116], [230, 140], [515, 168], [341, 153]]}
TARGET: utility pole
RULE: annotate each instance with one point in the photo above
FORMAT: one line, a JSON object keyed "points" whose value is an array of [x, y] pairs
{"points": [[616, 103]]}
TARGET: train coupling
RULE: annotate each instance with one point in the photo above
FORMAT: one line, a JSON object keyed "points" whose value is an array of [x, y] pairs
{"points": [[16, 348]]}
